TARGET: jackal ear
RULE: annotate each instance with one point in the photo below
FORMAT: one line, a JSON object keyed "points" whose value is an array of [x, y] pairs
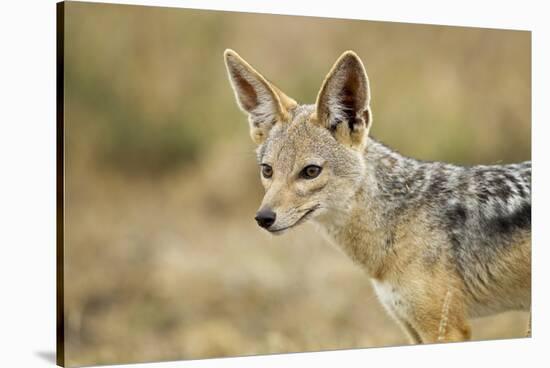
{"points": [[264, 103], [343, 101]]}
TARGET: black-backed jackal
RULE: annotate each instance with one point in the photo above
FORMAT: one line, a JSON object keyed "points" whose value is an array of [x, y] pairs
{"points": [[442, 243]]}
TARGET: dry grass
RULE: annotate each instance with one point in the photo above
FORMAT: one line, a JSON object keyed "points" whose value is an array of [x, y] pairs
{"points": [[163, 258], [444, 316]]}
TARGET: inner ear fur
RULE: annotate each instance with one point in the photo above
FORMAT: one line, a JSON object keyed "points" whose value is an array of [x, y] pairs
{"points": [[343, 102], [264, 103]]}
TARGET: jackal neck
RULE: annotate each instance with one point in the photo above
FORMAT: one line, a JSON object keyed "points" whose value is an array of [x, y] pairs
{"points": [[364, 226]]}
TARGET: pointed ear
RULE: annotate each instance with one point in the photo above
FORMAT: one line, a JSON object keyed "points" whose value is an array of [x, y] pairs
{"points": [[343, 101], [264, 103]]}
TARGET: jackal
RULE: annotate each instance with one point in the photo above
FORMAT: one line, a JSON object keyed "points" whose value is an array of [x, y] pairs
{"points": [[442, 243]]}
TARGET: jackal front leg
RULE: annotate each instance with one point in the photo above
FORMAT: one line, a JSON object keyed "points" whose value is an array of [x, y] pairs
{"points": [[444, 321]]}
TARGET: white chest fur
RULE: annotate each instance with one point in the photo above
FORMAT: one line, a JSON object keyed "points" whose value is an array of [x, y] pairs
{"points": [[391, 298]]}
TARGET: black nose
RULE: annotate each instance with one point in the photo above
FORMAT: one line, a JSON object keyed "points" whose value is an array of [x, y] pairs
{"points": [[265, 218]]}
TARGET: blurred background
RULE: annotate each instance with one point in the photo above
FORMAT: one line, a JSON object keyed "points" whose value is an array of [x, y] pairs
{"points": [[163, 259]]}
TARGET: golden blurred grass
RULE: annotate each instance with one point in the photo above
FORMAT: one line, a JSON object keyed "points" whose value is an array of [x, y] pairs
{"points": [[162, 257]]}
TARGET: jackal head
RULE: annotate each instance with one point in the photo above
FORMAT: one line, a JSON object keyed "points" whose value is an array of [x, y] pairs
{"points": [[310, 156]]}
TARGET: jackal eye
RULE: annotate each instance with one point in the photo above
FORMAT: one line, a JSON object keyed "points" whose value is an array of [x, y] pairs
{"points": [[311, 172], [267, 171]]}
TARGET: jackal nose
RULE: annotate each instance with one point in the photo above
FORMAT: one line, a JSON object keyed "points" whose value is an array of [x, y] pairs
{"points": [[265, 218]]}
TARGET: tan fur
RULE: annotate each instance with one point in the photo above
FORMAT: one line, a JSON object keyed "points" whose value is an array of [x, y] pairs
{"points": [[419, 285]]}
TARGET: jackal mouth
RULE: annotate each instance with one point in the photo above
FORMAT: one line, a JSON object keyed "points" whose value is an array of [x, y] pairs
{"points": [[301, 220]]}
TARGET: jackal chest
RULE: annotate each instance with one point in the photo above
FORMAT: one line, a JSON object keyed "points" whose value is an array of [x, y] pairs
{"points": [[391, 298]]}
